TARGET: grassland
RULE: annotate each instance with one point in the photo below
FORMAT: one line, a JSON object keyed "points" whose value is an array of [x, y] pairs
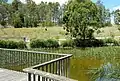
{"points": [[52, 32], [31, 33], [108, 31]]}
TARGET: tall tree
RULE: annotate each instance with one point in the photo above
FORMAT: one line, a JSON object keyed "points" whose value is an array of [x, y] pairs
{"points": [[3, 15], [104, 14], [3, 1], [117, 17], [81, 18]]}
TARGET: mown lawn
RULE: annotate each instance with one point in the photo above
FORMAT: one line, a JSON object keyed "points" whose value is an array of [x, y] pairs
{"points": [[85, 60]]}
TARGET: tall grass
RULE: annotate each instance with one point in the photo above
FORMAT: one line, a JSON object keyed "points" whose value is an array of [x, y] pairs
{"points": [[87, 59]]}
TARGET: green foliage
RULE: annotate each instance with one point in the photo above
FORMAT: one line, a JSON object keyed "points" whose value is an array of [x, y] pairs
{"points": [[88, 43], [38, 43], [47, 24], [3, 15], [112, 41], [17, 23], [12, 44], [106, 72], [81, 19], [104, 14], [30, 15], [67, 43], [21, 45], [3, 23], [3, 44], [117, 17], [51, 43], [3, 1]]}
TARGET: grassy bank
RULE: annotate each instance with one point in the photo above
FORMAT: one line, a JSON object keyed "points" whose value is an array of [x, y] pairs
{"points": [[40, 33], [52, 32]]}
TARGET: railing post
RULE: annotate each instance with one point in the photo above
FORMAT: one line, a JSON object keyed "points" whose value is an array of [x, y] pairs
{"points": [[43, 79], [68, 67], [34, 78], [29, 76]]}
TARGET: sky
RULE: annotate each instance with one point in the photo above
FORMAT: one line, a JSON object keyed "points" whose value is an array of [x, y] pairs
{"points": [[110, 4]]}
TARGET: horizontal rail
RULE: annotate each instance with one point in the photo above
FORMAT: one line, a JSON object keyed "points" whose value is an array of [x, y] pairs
{"points": [[33, 51], [54, 60], [44, 65], [47, 75]]}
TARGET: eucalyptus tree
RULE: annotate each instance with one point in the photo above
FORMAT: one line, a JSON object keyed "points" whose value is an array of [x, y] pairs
{"points": [[117, 17], [3, 1], [81, 19], [104, 14], [3, 15]]}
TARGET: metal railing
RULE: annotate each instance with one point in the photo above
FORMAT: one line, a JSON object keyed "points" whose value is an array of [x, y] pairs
{"points": [[40, 66]]}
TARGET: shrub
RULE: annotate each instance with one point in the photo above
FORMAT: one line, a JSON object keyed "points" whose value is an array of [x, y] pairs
{"points": [[3, 23], [3, 44], [21, 45], [89, 43], [47, 24], [51, 43], [111, 41], [67, 43], [37, 43], [12, 44]]}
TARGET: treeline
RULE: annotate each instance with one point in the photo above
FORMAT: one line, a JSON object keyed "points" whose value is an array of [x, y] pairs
{"points": [[20, 15]]}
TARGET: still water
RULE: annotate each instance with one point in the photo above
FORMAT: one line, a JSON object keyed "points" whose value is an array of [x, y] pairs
{"points": [[80, 68]]}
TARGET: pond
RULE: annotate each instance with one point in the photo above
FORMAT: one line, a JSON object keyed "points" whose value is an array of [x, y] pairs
{"points": [[80, 68]]}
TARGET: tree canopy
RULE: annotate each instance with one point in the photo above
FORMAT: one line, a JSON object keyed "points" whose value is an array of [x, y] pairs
{"points": [[45, 14], [81, 18], [117, 17]]}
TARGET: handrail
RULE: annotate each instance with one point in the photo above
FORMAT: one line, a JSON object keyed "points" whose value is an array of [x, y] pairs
{"points": [[34, 51], [54, 64], [47, 75], [54, 60]]}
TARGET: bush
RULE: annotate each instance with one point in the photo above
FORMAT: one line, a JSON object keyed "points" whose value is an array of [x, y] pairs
{"points": [[111, 41], [38, 43], [47, 24], [12, 44], [3, 23], [21, 45], [3, 44], [88, 43], [67, 43], [50, 43]]}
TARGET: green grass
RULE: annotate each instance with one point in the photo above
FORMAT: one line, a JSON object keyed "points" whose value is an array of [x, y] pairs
{"points": [[52, 32], [108, 31], [40, 33], [85, 60]]}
